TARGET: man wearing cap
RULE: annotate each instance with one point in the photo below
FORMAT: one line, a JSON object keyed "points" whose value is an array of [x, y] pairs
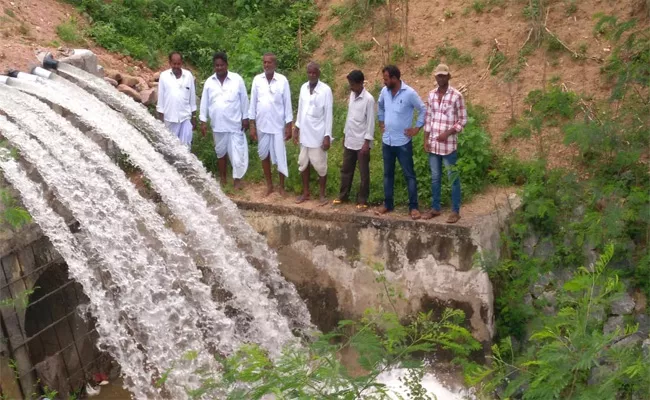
{"points": [[446, 116], [397, 102]]}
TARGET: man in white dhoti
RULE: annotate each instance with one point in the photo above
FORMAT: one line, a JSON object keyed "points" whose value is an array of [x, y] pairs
{"points": [[177, 99], [313, 130], [225, 102], [270, 117]]}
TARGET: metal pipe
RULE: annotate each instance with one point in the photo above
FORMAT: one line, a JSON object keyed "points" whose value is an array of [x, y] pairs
{"points": [[43, 73]]}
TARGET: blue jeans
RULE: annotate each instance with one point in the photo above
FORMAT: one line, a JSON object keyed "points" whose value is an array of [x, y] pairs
{"points": [[435, 163], [403, 154]]}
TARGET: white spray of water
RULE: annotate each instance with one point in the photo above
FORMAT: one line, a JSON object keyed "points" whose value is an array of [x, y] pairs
{"points": [[248, 241], [253, 310]]}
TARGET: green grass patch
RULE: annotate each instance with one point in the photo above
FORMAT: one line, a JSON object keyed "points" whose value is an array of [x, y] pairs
{"points": [[69, 32]]}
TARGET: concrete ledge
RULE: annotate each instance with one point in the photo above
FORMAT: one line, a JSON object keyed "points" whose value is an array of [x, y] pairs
{"points": [[333, 258]]}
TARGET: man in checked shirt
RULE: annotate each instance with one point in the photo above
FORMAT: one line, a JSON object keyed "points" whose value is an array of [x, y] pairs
{"points": [[445, 118]]}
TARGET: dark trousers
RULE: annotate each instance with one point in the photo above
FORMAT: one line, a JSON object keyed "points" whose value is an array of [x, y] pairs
{"points": [[350, 158], [403, 154]]}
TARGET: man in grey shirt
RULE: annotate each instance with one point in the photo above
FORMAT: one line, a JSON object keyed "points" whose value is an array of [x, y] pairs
{"points": [[359, 134]]}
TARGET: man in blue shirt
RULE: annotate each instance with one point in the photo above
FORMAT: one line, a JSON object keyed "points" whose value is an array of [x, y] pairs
{"points": [[397, 101]]}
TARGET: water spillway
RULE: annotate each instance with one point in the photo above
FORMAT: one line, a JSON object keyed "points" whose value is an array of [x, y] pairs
{"points": [[156, 293]]}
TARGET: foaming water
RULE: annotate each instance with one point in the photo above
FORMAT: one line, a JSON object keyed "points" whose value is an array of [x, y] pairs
{"points": [[208, 243], [207, 286], [248, 241]]}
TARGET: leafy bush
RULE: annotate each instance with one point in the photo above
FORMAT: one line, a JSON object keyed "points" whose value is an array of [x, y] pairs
{"points": [[148, 30], [570, 357], [70, 32]]}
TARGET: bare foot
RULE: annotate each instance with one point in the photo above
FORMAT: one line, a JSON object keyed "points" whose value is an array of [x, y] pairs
{"points": [[223, 182], [302, 198], [239, 185], [269, 190], [282, 192], [323, 201]]}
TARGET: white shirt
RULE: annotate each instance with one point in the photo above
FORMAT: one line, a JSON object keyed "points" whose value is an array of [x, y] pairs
{"points": [[225, 103], [315, 114], [360, 123], [176, 97], [270, 103]]}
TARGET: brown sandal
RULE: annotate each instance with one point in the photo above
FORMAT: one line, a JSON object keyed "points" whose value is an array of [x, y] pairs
{"points": [[453, 218], [430, 214], [383, 210]]}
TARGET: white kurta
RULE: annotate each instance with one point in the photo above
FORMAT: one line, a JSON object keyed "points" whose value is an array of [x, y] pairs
{"points": [[270, 107], [226, 104], [315, 114], [176, 96]]}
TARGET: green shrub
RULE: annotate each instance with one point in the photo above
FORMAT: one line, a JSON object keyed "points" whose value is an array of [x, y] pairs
{"points": [[70, 32], [352, 53]]}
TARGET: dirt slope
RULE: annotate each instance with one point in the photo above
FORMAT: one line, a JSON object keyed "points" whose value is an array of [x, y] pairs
{"points": [[431, 23], [29, 26]]}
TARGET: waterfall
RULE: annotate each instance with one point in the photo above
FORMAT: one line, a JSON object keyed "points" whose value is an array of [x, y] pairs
{"points": [[206, 286], [247, 239]]}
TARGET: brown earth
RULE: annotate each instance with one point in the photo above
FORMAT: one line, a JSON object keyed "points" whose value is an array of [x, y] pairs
{"points": [[481, 205], [432, 23], [29, 26]]}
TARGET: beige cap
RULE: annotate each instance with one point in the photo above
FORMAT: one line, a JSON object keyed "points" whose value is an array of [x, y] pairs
{"points": [[441, 69]]}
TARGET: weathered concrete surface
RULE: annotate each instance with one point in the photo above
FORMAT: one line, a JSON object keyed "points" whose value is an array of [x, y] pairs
{"points": [[333, 258]]}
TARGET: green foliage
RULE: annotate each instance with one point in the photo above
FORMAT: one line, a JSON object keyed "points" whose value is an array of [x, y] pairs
{"points": [[561, 352], [571, 6], [629, 63], [398, 53], [148, 30], [427, 69], [70, 32], [12, 213], [352, 53], [452, 55], [20, 301], [495, 61], [351, 16], [546, 108], [478, 6], [570, 357], [314, 370]]}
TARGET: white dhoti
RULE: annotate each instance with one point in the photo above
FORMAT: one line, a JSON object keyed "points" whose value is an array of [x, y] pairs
{"points": [[315, 156], [182, 130], [273, 145], [233, 144]]}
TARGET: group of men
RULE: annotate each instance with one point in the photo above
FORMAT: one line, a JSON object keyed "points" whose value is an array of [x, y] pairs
{"points": [[269, 119]]}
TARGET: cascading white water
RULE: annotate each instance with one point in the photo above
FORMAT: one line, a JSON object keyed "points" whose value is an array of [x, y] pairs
{"points": [[144, 295], [225, 267], [151, 290], [247, 239]]}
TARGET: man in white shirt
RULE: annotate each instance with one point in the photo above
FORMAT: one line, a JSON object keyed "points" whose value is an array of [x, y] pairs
{"points": [[359, 135], [270, 117], [177, 99], [313, 130], [225, 102]]}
